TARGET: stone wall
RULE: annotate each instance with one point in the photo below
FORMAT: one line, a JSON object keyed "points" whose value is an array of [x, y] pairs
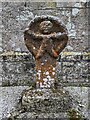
{"points": [[17, 66]]}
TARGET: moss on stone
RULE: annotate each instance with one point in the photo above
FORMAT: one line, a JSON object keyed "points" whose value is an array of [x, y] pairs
{"points": [[74, 115]]}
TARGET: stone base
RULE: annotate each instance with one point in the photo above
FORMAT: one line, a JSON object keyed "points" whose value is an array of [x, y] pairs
{"points": [[43, 103], [46, 101]]}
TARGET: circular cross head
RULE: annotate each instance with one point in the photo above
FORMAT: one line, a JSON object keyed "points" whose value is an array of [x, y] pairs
{"points": [[46, 26], [46, 36]]}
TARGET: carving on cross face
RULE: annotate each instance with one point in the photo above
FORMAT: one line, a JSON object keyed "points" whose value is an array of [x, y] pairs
{"points": [[51, 42]]}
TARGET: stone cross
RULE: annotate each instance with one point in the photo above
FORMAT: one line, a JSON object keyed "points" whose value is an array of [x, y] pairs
{"points": [[45, 38]]}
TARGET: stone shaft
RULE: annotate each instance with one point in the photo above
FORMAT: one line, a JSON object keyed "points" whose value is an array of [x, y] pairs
{"points": [[45, 70]]}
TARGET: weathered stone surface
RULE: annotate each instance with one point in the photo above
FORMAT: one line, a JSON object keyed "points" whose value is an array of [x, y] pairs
{"points": [[19, 71], [81, 96], [40, 103], [15, 18], [46, 100], [9, 97], [20, 14]]}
